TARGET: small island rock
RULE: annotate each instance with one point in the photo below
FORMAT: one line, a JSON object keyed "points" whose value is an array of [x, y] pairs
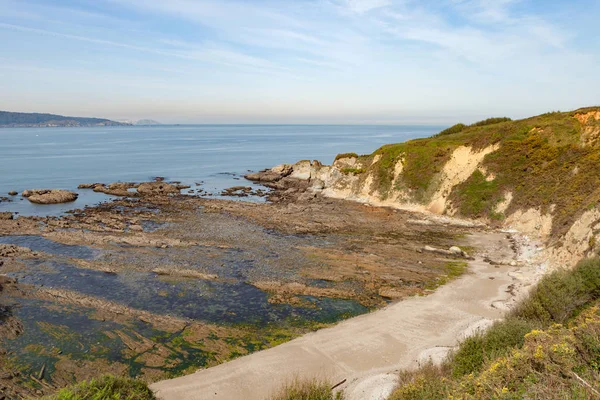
{"points": [[49, 196]]}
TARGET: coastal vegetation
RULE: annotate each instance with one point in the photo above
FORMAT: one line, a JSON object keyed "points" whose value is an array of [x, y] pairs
{"points": [[308, 390], [547, 347], [106, 387], [346, 155], [548, 162], [353, 171]]}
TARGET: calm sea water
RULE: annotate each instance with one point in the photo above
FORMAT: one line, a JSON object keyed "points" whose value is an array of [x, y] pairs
{"points": [[215, 155]]}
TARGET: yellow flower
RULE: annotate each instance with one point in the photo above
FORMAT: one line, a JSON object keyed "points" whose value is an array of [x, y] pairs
{"points": [[539, 353]]}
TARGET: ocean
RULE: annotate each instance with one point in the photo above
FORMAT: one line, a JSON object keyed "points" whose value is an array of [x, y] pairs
{"points": [[214, 156]]}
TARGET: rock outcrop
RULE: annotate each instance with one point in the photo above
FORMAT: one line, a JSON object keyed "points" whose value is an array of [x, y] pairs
{"points": [[157, 189], [49, 196], [537, 175]]}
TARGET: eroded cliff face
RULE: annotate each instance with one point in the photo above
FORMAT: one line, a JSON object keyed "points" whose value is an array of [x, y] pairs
{"points": [[538, 176]]}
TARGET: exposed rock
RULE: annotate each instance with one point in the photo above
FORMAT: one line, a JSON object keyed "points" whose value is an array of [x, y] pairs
{"points": [[452, 251], [49, 196], [10, 250], [6, 215], [239, 191], [157, 189], [113, 189], [13, 193], [89, 185], [271, 175], [456, 250]]}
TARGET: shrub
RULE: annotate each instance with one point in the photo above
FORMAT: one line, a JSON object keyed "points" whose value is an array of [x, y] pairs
{"points": [[428, 382], [480, 348], [491, 121], [561, 294], [345, 155], [531, 353], [353, 171], [308, 390], [106, 388], [453, 129]]}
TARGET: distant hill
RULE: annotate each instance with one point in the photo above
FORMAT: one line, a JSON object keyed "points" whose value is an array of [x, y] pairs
{"points": [[147, 122], [18, 120]]}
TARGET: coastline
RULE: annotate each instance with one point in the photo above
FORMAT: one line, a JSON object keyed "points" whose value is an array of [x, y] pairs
{"points": [[367, 351], [183, 282]]}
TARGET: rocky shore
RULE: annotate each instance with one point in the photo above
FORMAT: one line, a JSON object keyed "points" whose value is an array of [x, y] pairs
{"points": [[307, 260]]}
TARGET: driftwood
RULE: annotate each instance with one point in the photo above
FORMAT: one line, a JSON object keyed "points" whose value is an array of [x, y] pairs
{"points": [[338, 384]]}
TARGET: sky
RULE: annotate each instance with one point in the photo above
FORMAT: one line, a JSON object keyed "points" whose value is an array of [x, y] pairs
{"points": [[299, 61]]}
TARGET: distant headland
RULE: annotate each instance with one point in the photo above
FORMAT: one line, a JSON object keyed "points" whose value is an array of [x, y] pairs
{"points": [[33, 120]]}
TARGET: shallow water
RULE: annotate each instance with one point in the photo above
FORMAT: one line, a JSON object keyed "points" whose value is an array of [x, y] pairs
{"points": [[215, 155], [41, 244], [211, 301], [55, 331]]}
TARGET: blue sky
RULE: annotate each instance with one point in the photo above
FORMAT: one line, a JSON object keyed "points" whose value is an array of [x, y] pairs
{"points": [[302, 61]]}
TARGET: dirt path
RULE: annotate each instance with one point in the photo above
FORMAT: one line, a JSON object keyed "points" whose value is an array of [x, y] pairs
{"points": [[369, 349]]}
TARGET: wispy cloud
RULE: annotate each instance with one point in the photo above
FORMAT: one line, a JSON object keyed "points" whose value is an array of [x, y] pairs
{"points": [[362, 6], [349, 54]]}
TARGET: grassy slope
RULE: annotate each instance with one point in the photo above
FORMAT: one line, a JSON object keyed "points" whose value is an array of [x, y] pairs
{"points": [[546, 348], [540, 160]]}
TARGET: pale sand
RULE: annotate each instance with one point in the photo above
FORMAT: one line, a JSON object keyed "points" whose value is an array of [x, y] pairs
{"points": [[369, 350]]}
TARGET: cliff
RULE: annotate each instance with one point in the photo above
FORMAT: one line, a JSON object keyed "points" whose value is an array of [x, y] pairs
{"points": [[538, 175]]}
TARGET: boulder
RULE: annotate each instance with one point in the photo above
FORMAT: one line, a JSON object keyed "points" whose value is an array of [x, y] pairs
{"points": [[157, 189], [271, 175], [13, 193], [49, 196], [6, 215], [456, 250]]}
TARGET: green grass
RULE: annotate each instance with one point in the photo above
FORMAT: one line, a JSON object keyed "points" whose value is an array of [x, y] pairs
{"points": [[477, 196], [451, 271], [423, 159], [534, 352], [562, 294], [452, 130], [491, 121], [308, 390], [106, 388], [346, 155], [540, 160]]}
